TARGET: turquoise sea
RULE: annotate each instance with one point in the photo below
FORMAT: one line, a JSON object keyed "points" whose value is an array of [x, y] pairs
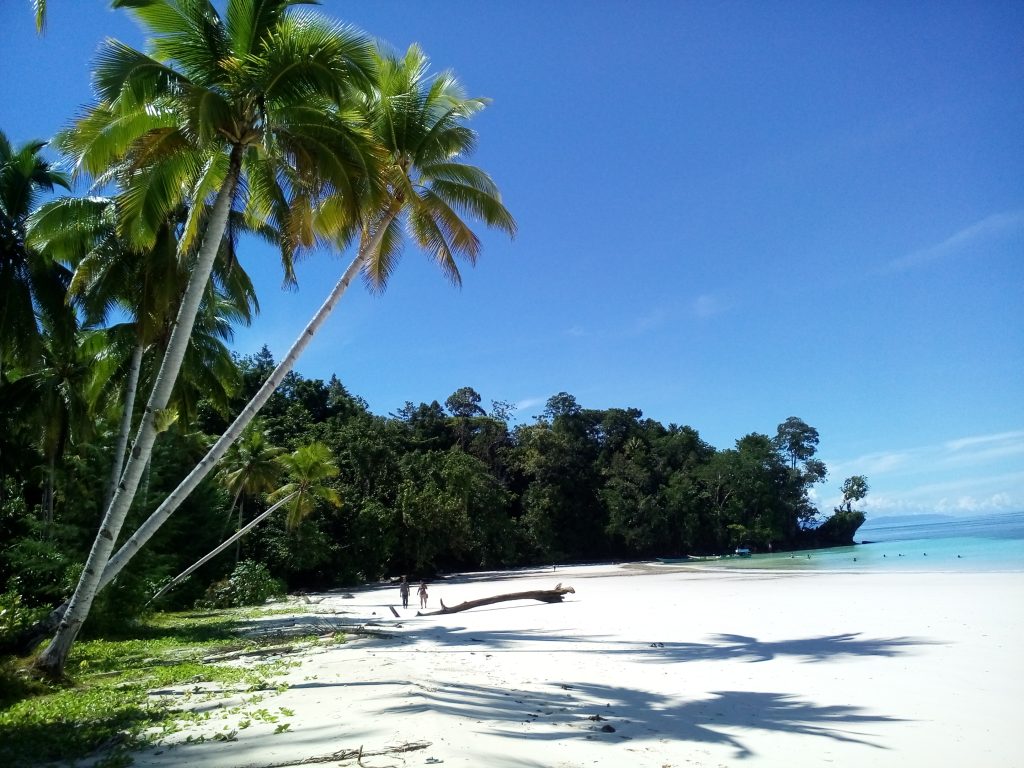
{"points": [[912, 543]]}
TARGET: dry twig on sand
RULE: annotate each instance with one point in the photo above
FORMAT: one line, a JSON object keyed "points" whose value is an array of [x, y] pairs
{"points": [[345, 754]]}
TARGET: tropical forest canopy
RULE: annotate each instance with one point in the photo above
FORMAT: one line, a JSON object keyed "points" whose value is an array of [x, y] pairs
{"points": [[433, 487]]}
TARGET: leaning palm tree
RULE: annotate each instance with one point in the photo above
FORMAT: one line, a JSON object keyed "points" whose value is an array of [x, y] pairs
{"points": [[420, 121], [308, 468], [260, 101]]}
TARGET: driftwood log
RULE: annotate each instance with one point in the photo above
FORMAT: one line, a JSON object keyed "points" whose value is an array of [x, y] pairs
{"points": [[555, 595]]}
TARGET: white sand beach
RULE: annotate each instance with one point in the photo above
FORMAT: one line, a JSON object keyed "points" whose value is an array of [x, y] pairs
{"points": [[652, 666]]}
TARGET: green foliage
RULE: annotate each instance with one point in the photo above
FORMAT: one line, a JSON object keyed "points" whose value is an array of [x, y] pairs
{"points": [[419, 492], [854, 489], [106, 704], [250, 583], [15, 615]]}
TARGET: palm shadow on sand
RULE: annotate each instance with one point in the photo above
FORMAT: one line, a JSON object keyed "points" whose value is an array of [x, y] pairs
{"points": [[587, 711], [720, 647]]}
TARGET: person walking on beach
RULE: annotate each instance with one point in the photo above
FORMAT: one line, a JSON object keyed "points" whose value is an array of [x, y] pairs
{"points": [[422, 592], [403, 590]]}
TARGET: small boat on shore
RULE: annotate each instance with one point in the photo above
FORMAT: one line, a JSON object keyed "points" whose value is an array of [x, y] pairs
{"points": [[688, 559], [742, 552]]}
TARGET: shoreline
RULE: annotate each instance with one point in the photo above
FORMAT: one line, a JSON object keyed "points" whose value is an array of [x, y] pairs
{"points": [[686, 666]]}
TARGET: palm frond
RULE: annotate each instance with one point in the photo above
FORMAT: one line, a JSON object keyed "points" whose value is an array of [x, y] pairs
{"points": [[458, 236], [470, 200], [205, 187], [382, 262], [39, 8], [431, 238], [305, 55], [150, 196], [248, 22], [119, 68], [105, 133]]}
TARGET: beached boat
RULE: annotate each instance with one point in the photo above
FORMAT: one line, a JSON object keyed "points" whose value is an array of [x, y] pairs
{"points": [[742, 552]]}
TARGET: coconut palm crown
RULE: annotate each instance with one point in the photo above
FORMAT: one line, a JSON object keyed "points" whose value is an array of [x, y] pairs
{"points": [[420, 119], [261, 94]]}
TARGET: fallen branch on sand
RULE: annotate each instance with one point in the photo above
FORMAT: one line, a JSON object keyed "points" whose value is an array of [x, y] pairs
{"points": [[345, 754], [555, 595]]}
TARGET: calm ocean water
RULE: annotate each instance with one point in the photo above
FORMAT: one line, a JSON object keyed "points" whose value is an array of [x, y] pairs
{"points": [[932, 543]]}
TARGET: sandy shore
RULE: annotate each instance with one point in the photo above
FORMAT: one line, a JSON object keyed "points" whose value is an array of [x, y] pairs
{"points": [[652, 666]]}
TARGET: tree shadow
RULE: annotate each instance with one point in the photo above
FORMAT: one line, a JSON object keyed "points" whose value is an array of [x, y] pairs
{"points": [[613, 714], [721, 647]]}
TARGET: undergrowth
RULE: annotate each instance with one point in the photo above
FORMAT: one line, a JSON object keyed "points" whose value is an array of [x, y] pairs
{"points": [[111, 701]]}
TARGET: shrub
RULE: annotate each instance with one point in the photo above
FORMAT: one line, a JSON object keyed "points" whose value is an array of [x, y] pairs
{"points": [[15, 615], [249, 584]]}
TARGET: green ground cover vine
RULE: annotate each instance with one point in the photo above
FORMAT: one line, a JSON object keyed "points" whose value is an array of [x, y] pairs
{"points": [[112, 701]]}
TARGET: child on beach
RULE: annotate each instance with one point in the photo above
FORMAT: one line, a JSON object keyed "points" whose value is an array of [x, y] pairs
{"points": [[403, 590], [422, 592]]}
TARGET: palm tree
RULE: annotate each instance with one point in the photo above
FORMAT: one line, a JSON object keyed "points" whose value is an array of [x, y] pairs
{"points": [[420, 121], [55, 396], [146, 286], [29, 284], [308, 468], [249, 470], [261, 96]]}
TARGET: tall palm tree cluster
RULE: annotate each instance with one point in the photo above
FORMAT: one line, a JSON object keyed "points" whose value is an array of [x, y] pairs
{"points": [[265, 120]]}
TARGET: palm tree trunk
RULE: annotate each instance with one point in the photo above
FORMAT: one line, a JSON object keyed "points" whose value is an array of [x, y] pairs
{"points": [[220, 548], [51, 660], [208, 462], [231, 513], [238, 542], [51, 472], [125, 430]]}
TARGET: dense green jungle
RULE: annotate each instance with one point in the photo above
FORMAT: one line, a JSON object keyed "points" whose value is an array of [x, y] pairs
{"points": [[431, 488]]}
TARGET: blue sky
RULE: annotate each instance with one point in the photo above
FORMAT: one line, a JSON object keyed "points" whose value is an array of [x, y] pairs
{"points": [[730, 213]]}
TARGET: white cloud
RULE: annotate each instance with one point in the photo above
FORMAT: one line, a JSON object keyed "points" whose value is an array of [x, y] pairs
{"points": [[529, 402], [972, 238], [957, 453], [707, 305], [576, 331], [973, 474], [1015, 438], [964, 504], [649, 322], [872, 464]]}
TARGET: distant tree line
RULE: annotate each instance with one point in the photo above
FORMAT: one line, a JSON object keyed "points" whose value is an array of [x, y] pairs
{"points": [[429, 488]]}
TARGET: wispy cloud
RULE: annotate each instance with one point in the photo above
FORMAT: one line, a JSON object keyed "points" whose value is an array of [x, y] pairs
{"points": [[954, 504], [707, 305], [975, 450], [873, 463], [1013, 439], [650, 321], [973, 474], [576, 331], [529, 402], [973, 238]]}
